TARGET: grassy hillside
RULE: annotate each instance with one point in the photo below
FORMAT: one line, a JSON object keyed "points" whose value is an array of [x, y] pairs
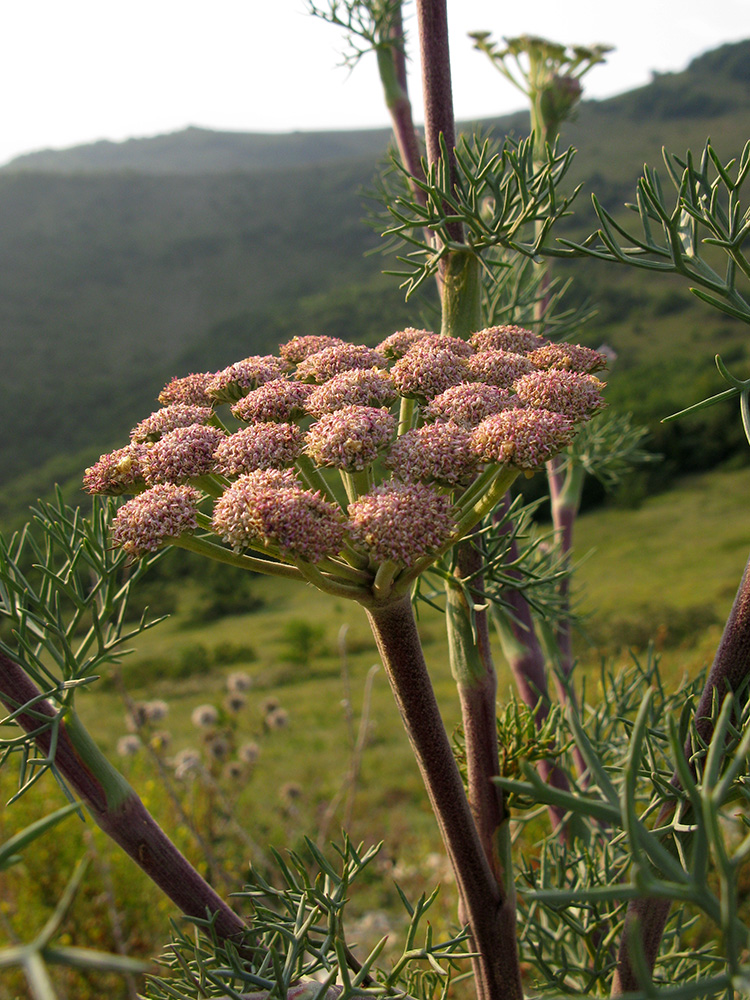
{"points": [[186, 252], [640, 560]]}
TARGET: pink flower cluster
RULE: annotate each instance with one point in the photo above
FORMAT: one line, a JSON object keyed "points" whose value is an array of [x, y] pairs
{"points": [[506, 397]]}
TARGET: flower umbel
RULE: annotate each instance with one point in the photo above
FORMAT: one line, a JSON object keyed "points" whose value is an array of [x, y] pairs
{"points": [[356, 467]]}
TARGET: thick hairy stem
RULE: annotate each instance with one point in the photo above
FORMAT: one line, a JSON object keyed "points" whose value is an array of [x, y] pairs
{"points": [[432, 21], [730, 671], [114, 805], [476, 680], [489, 914]]}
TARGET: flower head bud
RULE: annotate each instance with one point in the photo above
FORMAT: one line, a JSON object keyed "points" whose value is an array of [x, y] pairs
{"points": [[151, 518], [278, 401], [506, 338], [500, 368], [205, 716], [570, 393], [169, 418], [248, 753], [470, 403], [401, 522], [424, 373], [117, 472], [523, 438], [571, 357], [237, 380], [436, 342], [260, 446], [351, 438], [301, 523], [156, 710], [299, 348], [399, 343], [128, 746], [182, 454], [359, 387], [438, 453], [187, 762], [238, 682], [325, 364]]}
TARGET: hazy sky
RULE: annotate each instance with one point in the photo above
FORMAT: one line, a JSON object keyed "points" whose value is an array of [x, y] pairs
{"points": [[73, 71]]}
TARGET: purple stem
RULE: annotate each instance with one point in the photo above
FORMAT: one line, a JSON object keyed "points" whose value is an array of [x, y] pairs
{"points": [[487, 909], [477, 691], [432, 21], [128, 823], [729, 672]]}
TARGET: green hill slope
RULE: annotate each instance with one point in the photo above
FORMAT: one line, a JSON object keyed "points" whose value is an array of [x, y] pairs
{"points": [[123, 264]]}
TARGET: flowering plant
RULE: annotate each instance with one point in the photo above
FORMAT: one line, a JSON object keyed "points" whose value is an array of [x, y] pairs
{"points": [[358, 469]]}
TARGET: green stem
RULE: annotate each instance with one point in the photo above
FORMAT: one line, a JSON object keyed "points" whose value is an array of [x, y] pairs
{"points": [[223, 555]]}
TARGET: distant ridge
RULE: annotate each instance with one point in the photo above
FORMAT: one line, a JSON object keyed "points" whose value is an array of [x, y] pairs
{"points": [[123, 264], [714, 83], [205, 151]]}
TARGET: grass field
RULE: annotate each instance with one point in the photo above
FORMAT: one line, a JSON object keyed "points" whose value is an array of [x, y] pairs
{"points": [[666, 571]]}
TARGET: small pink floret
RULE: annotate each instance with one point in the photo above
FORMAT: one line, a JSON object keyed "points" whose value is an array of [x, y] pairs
{"points": [[401, 522], [260, 446], [351, 438], [150, 519], [523, 438]]}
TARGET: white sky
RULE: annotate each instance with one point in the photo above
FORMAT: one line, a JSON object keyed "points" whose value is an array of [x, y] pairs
{"points": [[74, 71]]}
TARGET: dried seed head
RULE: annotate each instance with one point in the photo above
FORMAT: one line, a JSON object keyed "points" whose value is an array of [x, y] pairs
{"points": [[151, 518], [351, 438], [205, 716], [401, 522]]}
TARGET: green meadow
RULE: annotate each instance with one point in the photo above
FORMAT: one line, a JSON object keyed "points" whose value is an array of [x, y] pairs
{"points": [[665, 573]]}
